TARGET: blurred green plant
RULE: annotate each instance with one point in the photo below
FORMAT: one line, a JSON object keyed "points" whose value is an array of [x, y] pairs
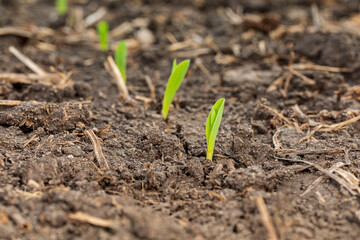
{"points": [[120, 58], [61, 6], [103, 29]]}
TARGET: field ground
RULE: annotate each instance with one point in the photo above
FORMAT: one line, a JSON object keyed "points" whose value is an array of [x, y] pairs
{"points": [[78, 161]]}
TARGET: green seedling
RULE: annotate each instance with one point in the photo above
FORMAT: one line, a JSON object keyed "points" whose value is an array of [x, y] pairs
{"points": [[61, 6], [212, 126], [178, 73], [103, 29], [120, 58]]}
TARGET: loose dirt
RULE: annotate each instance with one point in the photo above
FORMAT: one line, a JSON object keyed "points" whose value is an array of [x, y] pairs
{"points": [[286, 157]]}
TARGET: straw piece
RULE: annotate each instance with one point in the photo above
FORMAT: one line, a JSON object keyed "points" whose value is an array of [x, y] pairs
{"points": [[97, 150], [85, 218], [266, 218], [115, 73], [27, 61]]}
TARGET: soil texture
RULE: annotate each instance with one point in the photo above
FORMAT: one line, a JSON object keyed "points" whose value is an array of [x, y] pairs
{"points": [[80, 161]]}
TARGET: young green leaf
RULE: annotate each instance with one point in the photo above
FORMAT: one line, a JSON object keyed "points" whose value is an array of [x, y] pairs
{"points": [[212, 126], [174, 66], [178, 73], [61, 7], [103, 29], [120, 58]]}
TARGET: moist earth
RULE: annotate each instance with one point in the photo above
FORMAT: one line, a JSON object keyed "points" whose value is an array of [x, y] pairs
{"points": [[291, 84]]}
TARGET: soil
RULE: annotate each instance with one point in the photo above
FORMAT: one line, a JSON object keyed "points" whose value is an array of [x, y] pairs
{"points": [[276, 138]]}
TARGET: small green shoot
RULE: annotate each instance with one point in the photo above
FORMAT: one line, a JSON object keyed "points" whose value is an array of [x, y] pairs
{"points": [[178, 73], [120, 58], [212, 126], [103, 29], [61, 7]]}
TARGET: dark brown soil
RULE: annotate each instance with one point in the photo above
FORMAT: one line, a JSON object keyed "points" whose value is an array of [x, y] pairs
{"points": [[159, 185]]}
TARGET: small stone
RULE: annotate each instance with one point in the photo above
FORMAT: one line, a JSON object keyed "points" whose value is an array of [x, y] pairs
{"points": [[145, 37], [74, 151]]}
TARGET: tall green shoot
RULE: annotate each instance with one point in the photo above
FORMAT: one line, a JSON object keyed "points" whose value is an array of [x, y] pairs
{"points": [[103, 29], [178, 73], [120, 58], [61, 6], [212, 126]]}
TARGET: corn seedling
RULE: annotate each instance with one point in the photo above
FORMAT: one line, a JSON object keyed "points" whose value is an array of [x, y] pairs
{"points": [[178, 73], [61, 7], [103, 29], [120, 58], [212, 126]]}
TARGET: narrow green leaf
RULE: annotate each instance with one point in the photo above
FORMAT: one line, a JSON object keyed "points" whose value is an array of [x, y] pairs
{"points": [[61, 6], [174, 66], [103, 29], [120, 58], [212, 117], [212, 126], [209, 124], [177, 75]]}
